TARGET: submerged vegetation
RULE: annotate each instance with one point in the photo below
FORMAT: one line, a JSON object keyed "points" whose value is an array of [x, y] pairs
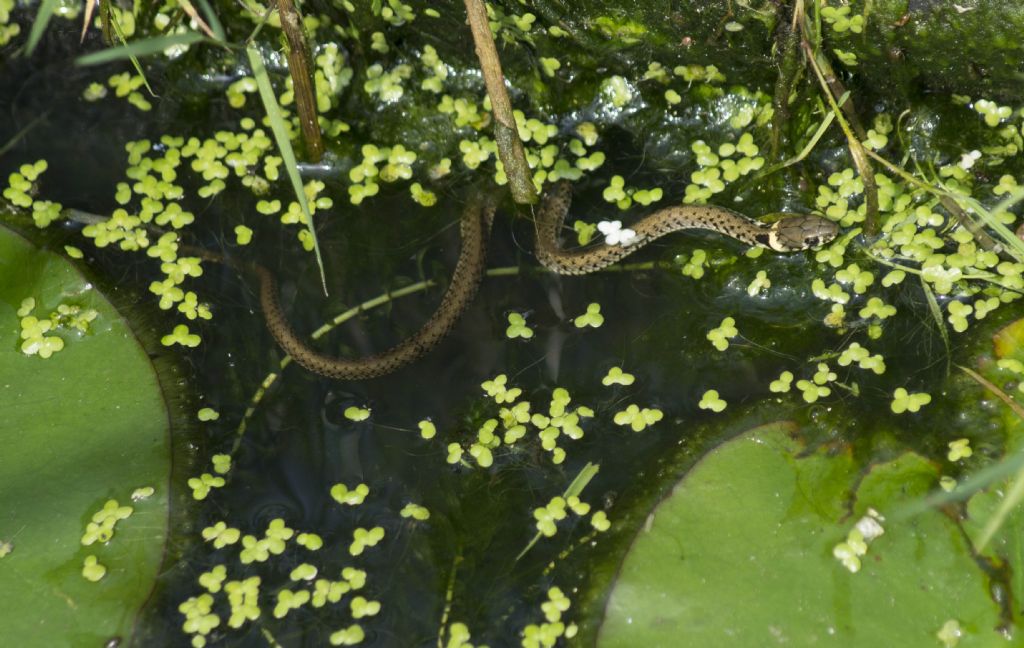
{"points": [[848, 417]]}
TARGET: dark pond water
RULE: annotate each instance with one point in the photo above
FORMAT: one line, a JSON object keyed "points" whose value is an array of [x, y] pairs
{"points": [[298, 443]]}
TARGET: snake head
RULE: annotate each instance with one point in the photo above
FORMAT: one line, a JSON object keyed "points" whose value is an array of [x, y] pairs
{"points": [[801, 232]]}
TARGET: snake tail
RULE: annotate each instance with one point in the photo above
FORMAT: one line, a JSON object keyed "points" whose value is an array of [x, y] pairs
{"points": [[474, 227]]}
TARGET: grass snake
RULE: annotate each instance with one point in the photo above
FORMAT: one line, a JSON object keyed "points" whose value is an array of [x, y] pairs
{"points": [[789, 234]]}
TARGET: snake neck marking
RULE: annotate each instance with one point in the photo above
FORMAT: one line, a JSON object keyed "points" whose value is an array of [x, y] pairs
{"points": [[787, 235], [790, 234]]}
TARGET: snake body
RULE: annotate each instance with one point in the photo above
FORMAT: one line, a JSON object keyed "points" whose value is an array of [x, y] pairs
{"points": [[787, 235], [474, 229], [790, 234]]}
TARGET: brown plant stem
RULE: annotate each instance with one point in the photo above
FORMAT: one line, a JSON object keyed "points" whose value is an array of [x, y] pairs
{"points": [[300, 67], [506, 135], [854, 132], [108, 39]]}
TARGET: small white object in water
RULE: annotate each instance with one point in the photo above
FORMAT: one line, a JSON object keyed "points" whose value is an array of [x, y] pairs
{"points": [[869, 526], [614, 234], [967, 160]]}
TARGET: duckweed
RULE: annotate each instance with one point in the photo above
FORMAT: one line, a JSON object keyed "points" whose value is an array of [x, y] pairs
{"points": [[712, 401], [992, 112], [866, 529], [92, 569], [958, 312], [287, 600], [353, 497], [616, 376], [221, 535], [454, 453], [592, 317], [254, 550], [310, 541], [427, 429], [181, 335], [221, 463], [243, 597], [517, 327], [840, 20], [34, 333], [101, 526], [357, 414], [600, 522], [860, 279], [959, 449], [549, 515], [361, 607], [422, 196], [693, 266], [141, 493], [636, 418], [243, 235], [365, 538], [203, 484], [199, 618], [212, 580], [856, 353], [549, 633], [622, 196], [950, 633], [349, 636], [782, 384], [849, 59], [415, 511], [877, 308], [617, 91], [22, 186], [716, 169], [811, 391], [720, 336], [760, 283], [904, 401]]}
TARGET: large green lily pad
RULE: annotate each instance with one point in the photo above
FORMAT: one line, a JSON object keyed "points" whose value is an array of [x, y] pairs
{"points": [[740, 554], [82, 427]]}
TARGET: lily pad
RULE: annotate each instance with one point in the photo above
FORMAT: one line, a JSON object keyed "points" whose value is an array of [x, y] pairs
{"points": [[85, 426], [740, 554]]}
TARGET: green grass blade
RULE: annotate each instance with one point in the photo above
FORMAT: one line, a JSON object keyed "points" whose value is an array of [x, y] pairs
{"points": [[134, 59], [43, 16], [582, 479], [284, 145], [936, 311], [1013, 243], [139, 48], [988, 475], [1010, 465], [212, 20], [574, 489], [1009, 502], [1015, 493]]}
